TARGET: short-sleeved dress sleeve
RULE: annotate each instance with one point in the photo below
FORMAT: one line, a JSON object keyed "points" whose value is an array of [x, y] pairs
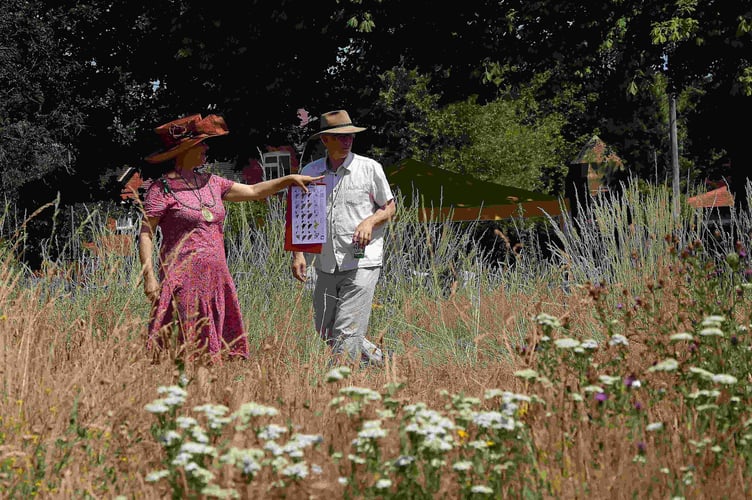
{"points": [[224, 184], [155, 201]]}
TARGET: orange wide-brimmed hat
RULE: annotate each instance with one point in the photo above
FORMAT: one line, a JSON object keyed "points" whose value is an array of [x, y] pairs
{"points": [[184, 133], [336, 122]]}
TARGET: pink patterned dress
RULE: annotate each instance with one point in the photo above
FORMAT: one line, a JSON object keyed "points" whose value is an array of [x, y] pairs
{"points": [[197, 291]]}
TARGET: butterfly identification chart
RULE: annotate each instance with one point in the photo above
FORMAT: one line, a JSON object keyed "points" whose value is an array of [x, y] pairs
{"points": [[308, 214]]}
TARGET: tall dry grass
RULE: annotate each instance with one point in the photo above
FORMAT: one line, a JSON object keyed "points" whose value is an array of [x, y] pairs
{"points": [[75, 375], [74, 390]]}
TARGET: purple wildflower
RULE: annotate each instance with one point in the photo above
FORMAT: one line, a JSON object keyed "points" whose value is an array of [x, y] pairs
{"points": [[601, 397], [641, 447], [629, 380], [638, 406]]}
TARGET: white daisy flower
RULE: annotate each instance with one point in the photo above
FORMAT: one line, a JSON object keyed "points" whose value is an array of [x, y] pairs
{"points": [[463, 465], [713, 320], [337, 374], [711, 332], [589, 344], [593, 388], [547, 320], [608, 379], [481, 489], [526, 374], [155, 476], [298, 470], [681, 336], [566, 343], [186, 422], [703, 373], [170, 437], [618, 339], [404, 460], [722, 378], [255, 410], [667, 365], [360, 393], [197, 448], [271, 431], [383, 484], [157, 406]]}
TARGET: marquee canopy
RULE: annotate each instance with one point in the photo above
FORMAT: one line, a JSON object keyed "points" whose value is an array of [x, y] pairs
{"points": [[465, 198]]}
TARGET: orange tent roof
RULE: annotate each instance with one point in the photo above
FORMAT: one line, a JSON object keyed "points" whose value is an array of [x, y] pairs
{"points": [[716, 198]]}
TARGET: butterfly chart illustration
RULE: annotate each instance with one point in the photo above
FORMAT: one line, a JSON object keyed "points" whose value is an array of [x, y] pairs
{"points": [[308, 214]]}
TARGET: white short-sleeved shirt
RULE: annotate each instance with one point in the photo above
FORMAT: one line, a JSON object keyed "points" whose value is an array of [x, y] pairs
{"points": [[353, 193]]}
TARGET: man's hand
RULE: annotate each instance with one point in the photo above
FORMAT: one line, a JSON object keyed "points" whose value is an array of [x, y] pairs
{"points": [[299, 266], [363, 233]]}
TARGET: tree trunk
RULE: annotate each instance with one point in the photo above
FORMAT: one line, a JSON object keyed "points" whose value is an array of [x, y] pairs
{"points": [[674, 153]]}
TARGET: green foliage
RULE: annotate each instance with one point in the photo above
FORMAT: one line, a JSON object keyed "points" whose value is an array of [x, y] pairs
{"points": [[406, 111], [38, 115], [614, 50], [597, 61], [507, 142], [240, 217], [674, 30]]}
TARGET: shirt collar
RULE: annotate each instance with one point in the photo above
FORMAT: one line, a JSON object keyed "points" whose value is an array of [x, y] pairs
{"points": [[345, 164]]}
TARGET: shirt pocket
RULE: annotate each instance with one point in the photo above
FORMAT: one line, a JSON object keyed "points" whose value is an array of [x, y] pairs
{"points": [[357, 194]]}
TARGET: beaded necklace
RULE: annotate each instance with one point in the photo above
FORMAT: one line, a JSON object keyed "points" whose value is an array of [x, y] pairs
{"points": [[202, 207]]}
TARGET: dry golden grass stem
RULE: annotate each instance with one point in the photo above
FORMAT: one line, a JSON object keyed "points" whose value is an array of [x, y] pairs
{"points": [[61, 378]]}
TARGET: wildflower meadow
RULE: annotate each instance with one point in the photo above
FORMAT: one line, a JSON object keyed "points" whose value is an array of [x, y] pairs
{"points": [[603, 357]]}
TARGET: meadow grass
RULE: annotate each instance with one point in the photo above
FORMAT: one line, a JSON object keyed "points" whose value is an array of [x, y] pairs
{"points": [[613, 364]]}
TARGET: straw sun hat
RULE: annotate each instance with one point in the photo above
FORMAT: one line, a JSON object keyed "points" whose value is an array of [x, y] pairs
{"points": [[336, 122]]}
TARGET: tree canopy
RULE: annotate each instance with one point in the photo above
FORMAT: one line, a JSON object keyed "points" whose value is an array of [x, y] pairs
{"points": [[501, 89]]}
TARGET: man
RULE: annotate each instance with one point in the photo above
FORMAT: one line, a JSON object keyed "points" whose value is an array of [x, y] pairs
{"points": [[358, 203]]}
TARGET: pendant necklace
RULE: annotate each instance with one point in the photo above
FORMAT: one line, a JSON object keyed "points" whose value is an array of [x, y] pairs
{"points": [[202, 207], [207, 214]]}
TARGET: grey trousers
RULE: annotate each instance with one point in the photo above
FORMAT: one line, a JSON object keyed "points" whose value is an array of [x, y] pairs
{"points": [[342, 304]]}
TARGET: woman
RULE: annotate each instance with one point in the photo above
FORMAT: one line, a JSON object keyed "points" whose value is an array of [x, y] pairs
{"points": [[195, 290]]}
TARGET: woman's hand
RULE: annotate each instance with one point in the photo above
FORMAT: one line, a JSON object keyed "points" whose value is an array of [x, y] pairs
{"points": [[262, 190], [303, 180], [151, 288]]}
